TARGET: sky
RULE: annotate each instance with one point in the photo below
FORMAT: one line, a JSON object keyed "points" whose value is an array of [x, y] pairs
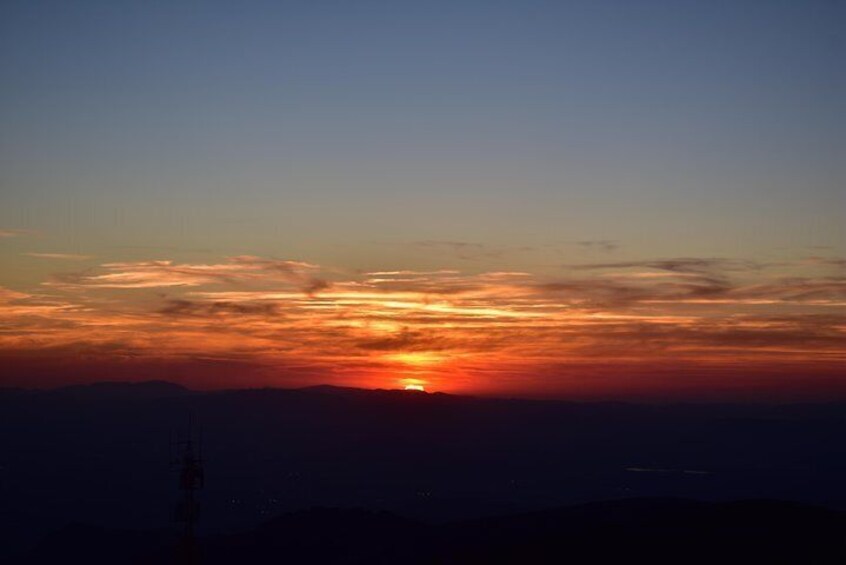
{"points": [[597, 199]]}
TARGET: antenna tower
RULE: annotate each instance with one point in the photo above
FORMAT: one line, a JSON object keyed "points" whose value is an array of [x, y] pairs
{"points": [[188, 457]]}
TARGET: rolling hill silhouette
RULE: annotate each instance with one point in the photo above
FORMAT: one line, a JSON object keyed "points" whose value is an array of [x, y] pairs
{"points": [[653, 530], [100, 455]]}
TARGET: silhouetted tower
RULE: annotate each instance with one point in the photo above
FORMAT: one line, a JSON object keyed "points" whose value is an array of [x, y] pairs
{"points": [[189, 459]]}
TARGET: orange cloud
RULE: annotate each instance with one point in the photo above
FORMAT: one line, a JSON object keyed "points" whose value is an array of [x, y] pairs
{"points": [[453, 331], [151, 274]]}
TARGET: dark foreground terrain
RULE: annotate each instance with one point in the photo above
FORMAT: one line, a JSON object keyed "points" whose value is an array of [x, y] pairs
{"points": [[432, 471], [640, 530]]}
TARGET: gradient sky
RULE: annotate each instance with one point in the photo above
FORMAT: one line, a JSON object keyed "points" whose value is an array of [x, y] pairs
{"points": [[579, 199]]}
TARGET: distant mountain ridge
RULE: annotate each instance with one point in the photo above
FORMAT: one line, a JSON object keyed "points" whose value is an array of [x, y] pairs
{"points": [[101, 455], [162, 388], [146, 389]]}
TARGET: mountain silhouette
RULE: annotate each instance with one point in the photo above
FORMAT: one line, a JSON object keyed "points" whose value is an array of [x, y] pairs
{"points": [[650, 530], [100, 455]]}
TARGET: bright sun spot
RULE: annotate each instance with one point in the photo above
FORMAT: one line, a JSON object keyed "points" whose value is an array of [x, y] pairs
{"points": [[413, 384]]}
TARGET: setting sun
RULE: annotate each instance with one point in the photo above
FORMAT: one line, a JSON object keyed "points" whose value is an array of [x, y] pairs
{"points": [[413, 384]]}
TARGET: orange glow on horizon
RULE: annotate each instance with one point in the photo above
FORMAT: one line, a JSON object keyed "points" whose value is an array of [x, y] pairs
{"points": [[416, 358], [413, 384], [461, 332]]}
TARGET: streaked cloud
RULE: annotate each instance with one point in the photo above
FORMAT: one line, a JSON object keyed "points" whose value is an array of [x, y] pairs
{"points": [[60, 256], [606, 245], [450, 328], [16, 232], [166, 273], [680, 265], [836, 262], [7, 295]]}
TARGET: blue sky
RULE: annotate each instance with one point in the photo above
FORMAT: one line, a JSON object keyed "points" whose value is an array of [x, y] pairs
{"points": [[626, 119]]}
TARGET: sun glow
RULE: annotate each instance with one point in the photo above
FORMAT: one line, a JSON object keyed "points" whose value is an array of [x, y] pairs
{"points": [[413, 384], [492, 333], [416, 358]]}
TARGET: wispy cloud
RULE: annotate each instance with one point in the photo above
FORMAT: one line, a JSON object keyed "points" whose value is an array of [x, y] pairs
{"points": [[181, 307], [60, 256], [16, 232], [836, 262], [8, 295], [606, 245], [166, 273], [696, 265], [444, 323]]}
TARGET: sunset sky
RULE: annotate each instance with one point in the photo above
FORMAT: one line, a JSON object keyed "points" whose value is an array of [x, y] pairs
{"points": [[590, 199]]}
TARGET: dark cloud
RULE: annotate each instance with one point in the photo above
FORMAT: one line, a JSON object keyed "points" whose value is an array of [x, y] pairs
{"points": [[600, 291], [181, 307], [284, 266], [799, 289], [606, 245], [693, 265], [406, 340], [609, 292], [596, 292], [316, 285]]}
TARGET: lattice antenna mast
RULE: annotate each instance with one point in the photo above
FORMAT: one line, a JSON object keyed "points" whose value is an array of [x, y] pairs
{"points": [[189, 459]]}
